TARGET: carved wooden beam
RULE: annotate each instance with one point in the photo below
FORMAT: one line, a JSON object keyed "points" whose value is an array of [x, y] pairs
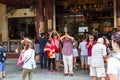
{"points": [[13, 3]]}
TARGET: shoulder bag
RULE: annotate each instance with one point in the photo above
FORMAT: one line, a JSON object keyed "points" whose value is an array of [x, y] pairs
{"points": [[20, 62]]}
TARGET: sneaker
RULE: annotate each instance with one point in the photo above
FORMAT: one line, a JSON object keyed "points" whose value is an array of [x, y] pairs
{"points": [[48, 71], [65, 74], [54, 71]]}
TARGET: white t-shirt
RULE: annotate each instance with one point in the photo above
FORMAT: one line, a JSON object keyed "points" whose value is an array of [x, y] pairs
{"points": [[83, 48], [29, 64], [113, 66]]}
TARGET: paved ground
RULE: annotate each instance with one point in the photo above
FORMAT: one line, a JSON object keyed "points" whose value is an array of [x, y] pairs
{"points": [[13, 72]]}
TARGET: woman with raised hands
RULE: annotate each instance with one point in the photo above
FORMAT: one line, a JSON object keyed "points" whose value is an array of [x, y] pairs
{"points": [[54, 37]]}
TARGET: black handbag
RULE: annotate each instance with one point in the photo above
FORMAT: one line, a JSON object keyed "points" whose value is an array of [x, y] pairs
{"points": [[3, 58]]}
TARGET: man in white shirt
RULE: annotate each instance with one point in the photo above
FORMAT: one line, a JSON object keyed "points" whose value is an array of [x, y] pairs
{"points": [[97, 68]]}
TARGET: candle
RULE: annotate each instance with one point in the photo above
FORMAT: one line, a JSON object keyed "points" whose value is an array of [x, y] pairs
{"points": [[65, 29]]}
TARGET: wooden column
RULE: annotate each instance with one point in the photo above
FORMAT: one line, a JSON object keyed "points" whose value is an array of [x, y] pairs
{"points": [[49, 14], [115, 18], [39, 17], [3, 23], [118, 13], [54, 15]]}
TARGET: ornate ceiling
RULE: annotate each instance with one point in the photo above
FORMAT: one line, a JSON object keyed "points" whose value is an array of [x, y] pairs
{"points": [[65, 6], [18, 3], [84, 5]]}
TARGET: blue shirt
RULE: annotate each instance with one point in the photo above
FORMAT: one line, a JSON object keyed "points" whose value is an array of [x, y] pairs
{"points": [[2, 52], [42, 42], [82, 47]]}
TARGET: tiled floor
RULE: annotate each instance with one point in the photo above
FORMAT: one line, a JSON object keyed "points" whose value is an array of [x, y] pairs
{"points": [[13, 72]]}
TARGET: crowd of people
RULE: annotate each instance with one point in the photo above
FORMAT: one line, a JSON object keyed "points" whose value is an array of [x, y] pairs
{"points": [[50, 51]]}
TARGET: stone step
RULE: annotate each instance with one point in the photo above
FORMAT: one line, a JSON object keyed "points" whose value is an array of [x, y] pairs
{"points": [[12, 55]]}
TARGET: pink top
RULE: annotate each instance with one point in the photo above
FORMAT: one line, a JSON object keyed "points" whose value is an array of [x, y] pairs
{"points": [[55, 42], [90, 48]]}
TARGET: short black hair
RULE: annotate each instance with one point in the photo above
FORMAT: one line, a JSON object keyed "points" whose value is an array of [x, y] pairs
{"points": [[36, 41], [83, 37], [42, 34]]}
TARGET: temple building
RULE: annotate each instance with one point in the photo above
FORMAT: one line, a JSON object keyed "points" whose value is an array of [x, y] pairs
{"points": [[31, 17]]}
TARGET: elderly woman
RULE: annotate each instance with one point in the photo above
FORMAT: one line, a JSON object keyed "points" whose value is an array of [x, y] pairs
{"points": [[67, 53], [113, 65]]}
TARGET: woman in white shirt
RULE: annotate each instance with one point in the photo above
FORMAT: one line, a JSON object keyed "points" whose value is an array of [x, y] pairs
{"points": [[29, 62], [113, 65]]}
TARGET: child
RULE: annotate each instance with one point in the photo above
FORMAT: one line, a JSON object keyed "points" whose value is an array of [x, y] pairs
{"points": [[50, 50], [2, 63], [83, 55]]}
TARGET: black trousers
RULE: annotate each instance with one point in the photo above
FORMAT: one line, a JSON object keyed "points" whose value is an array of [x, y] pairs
{"points": [[51, 60], [43, 60]]}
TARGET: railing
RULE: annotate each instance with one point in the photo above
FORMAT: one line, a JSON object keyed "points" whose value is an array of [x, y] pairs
{"points": [[11, 46]]}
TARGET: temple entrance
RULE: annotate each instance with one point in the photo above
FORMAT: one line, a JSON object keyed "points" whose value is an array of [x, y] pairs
{"points": [[21, 26]]}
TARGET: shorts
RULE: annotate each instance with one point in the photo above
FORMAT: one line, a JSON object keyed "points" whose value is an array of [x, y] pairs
{"points": [[89, 60], [75, 52], [97, 71], [84, 59], [2, 66], [57, 56]]}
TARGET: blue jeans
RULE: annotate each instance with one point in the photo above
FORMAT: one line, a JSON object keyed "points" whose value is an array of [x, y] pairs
{"points": [[2, 66], [43, 60]]}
